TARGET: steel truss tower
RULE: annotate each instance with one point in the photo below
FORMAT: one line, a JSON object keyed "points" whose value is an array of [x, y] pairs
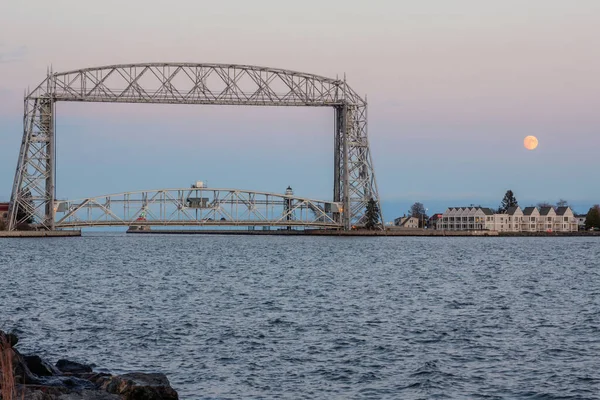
{"points": [[33, 194]]}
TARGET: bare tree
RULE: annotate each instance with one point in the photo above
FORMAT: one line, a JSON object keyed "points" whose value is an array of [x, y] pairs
{"points": [[562, 203], [418, 211]]}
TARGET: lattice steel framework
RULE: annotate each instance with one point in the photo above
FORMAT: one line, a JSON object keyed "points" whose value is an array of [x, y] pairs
{"points": [[198, 207], [33, 192]]}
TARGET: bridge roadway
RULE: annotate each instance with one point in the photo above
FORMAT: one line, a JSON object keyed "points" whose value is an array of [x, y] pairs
{"points": [[187, 207]]}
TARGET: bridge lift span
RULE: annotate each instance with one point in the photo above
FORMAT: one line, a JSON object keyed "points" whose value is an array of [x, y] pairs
{"points": [[33, 198], [198, 207]]}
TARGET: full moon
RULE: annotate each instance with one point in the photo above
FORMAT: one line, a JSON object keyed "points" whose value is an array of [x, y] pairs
{"points": [[530, 142]]}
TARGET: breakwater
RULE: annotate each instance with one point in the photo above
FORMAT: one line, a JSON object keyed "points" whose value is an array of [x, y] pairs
{"points": [[38, 234]]}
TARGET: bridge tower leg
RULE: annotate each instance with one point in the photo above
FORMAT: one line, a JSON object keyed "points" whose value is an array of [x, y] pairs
{"points": [[354, 177], [32, 198]]}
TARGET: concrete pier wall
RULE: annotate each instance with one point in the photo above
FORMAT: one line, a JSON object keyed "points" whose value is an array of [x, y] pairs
{"points": [[38, 234]]}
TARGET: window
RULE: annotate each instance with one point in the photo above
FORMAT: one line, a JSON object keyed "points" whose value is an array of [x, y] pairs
{"points": [[566, 219]]}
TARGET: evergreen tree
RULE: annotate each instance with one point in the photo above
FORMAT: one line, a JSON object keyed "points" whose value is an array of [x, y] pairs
{"points": [[372, 215], [508, 201], [592, 219], [23, 218]]}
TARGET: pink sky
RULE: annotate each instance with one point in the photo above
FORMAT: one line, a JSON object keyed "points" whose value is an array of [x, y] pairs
{"points": [[464, 80]]}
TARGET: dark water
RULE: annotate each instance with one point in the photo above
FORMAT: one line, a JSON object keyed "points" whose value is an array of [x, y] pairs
{"points": [[316, 318]]}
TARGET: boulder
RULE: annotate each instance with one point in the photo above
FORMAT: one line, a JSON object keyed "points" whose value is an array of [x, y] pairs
{"points": [[39, 366], [89, 395], [72, 367], [45, 393], [140, 386]]}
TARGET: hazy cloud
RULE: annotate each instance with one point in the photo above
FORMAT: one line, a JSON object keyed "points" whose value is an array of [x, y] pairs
{"points": [[12, 54]]}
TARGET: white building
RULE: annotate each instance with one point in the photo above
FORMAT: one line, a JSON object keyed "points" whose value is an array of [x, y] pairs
{"points": [[545, 222], [508, 222], [565, 220], [530, 218], [581, 221], [547, 219], [466, 219], [407, 222]]}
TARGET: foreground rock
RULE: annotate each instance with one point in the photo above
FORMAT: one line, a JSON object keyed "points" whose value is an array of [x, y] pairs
{"points": [[36, 379], [139, 386]]}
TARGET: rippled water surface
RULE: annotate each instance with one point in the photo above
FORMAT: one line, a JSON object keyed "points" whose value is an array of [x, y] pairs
{"points": [[316, 317]]}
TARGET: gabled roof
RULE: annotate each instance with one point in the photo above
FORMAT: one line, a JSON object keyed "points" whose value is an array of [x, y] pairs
{"points": [[529, 210], [562, 210], [467, 211], [476, 211], [512, 210], [546, 210], [409, 219]]}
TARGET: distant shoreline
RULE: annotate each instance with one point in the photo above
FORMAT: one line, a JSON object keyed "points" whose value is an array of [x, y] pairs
{"points": [[396, 232], [310, 232]]}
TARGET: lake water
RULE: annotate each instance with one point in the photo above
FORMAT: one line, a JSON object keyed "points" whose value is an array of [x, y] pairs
{"points": [[229, 317]]}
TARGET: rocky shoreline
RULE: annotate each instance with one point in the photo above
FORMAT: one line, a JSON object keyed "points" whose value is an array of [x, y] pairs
{"points": [[31, 377]]}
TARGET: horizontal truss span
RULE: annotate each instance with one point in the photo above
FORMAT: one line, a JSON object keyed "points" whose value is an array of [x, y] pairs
{"points": [[185, 83], [197, 207]]}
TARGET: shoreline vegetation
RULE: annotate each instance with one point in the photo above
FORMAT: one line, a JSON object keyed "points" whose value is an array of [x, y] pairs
{"points": [[31, 377]]}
